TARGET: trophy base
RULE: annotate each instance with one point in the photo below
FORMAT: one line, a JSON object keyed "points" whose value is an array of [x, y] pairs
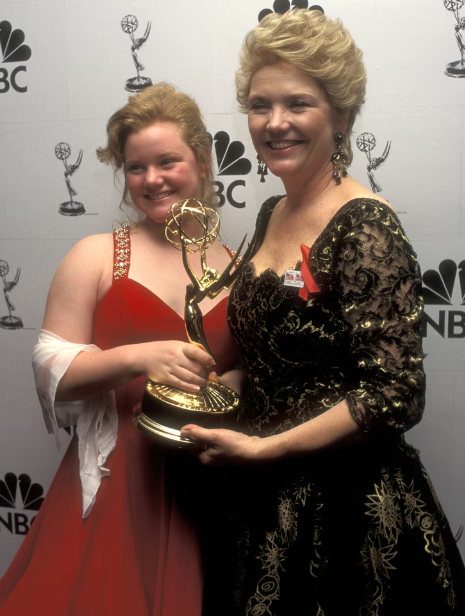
{"points": [[455, 69], [11, 322], [136, 84], [165, 410], [71, 208]]}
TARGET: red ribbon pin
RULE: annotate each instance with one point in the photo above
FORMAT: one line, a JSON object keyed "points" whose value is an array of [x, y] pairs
{"points": [[310, 285]]}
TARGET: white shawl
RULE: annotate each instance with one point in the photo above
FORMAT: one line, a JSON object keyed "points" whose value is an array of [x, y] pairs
{"points": [[96, 418]]}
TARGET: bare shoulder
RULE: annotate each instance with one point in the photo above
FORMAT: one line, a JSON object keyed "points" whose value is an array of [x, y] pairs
{"points": [[91, 247], [89, 256], [77, 287], [355, 190]]}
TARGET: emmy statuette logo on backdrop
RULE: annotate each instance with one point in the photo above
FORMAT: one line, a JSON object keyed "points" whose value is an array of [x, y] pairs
{"points": [[71, 207], [457, 68], [438, 290], [13, 51], [366, 142], [283, 6], [10, 321], [129, 24], [231, 161], [31, 496]]}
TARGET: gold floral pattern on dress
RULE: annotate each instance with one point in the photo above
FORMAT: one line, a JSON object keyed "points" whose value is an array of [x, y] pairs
{"points": [[302, 492], [319, 561], [287, 519], [378, 552], [433, 492], [384, 507], [377, 560], [274, 552], [413, 504], [241, 570], [377, 557], [272, 556]]}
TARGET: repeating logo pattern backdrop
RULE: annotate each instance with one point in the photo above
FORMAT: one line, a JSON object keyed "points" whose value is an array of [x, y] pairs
{"points": [[66, 66]]}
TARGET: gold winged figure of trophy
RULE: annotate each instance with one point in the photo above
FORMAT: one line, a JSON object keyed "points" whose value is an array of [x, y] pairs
{"points": [[165, 409]]}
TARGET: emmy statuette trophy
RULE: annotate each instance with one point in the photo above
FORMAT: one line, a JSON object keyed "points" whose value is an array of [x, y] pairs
{"points": [[457, 68], [10, 321], [71, 207], [165, 409], [129, 25], [366, 142]]}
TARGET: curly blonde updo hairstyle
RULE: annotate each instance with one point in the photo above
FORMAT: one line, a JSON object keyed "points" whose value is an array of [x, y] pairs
{"points": [[319, 46], [159, 103]]}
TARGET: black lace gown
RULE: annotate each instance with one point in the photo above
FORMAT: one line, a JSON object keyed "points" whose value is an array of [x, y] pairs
{"points": [[357, 530]]}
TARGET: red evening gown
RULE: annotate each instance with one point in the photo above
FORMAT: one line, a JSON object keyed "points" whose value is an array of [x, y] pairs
{"points": [[137, 554]]}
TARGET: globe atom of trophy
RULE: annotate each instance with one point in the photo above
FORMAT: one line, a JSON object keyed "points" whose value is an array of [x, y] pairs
{"points": [[129, 24], [4, 268], [206, 217], [165, 409], [453, 5], [62, 151], [366, 142]]}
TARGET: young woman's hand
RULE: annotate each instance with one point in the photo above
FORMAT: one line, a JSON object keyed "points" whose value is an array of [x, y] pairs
{"points": [[171, 362]]}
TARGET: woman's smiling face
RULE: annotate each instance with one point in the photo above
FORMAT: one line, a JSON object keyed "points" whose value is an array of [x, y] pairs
{"points": [[160, 170], [291, 121]]}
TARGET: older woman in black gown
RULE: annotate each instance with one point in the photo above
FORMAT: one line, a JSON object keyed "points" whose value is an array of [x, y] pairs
{"points": [[334, 513]]}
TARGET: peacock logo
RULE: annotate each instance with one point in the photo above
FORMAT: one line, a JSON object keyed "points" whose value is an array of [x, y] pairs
{"points": [[439, 285], [283, 6], [440, 289], [231, 161], [13, 50], [11, 44], [30, 496], [229, 155]]}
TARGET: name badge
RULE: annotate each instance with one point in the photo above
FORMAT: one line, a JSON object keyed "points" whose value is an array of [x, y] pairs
{"points": [[293, 278]]}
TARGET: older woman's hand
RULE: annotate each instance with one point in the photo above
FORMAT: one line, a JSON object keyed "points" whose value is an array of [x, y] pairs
{"points": [[223, 447]]}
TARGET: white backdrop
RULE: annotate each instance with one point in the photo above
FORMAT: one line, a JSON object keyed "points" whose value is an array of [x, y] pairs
{"points": [[63, 70]]}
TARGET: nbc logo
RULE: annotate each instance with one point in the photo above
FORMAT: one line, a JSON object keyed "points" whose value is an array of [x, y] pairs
{"points": [[31, 497], [283, 6], [445, 287], [13, 50], [231, 161]]}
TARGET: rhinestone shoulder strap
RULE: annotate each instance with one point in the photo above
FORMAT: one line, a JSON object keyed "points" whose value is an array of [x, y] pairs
{"points": [[122, 252]]}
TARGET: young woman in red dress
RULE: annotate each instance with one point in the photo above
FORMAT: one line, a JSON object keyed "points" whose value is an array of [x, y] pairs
{"points": [[113, 535]]}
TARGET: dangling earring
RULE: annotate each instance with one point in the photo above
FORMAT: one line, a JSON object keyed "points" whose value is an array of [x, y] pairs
{"points": [[339, 159], [262, 169]]}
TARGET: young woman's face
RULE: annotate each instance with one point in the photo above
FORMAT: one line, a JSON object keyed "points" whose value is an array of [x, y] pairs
{"points": [[291, 122], [160, 170]]}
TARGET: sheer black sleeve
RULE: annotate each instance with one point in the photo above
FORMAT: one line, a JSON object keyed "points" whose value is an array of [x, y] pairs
{"points": [[377, 283]]}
